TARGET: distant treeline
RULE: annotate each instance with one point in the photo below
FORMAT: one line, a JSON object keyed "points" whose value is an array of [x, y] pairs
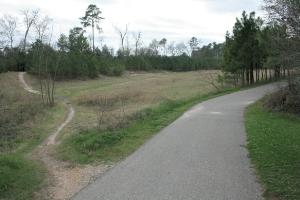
{"points": [[75, 55], [74, 58], [254, 51]]}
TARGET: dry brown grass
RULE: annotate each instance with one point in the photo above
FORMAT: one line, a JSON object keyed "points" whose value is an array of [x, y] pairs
{"points": [[111, 100], [16, 108], [136, 90]]}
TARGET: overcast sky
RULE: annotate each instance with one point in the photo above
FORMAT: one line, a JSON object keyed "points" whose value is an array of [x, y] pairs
{"points": [[176, 20]]}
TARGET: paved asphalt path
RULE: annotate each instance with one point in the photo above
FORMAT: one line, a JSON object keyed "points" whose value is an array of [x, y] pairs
{"points": [[200, 156]]}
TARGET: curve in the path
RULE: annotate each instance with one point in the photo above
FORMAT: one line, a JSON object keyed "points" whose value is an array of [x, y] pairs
{"points": [[51, 140], [25, 85], [201, 156]]}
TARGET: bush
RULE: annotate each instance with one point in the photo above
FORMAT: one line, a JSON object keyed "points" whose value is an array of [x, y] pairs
{"points": [[91, 141], [284, 100], [12, 60], [110, 66], [138, 63]]}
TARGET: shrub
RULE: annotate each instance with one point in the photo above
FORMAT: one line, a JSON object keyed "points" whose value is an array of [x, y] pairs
{"points": [[284, 100], [110, 66]]}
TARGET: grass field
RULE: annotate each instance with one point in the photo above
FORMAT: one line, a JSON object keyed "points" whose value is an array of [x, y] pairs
{"points": [[115, 98], [274, 145], [108, 104], [108, 107]]}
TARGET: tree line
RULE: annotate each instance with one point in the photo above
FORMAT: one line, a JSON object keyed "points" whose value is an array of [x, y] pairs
{"points": [[73, 55], [258, 50], [254, 51]]}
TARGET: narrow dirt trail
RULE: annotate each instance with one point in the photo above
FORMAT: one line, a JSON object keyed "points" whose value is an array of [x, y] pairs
{"points": [[64, 179], [51, 140]]}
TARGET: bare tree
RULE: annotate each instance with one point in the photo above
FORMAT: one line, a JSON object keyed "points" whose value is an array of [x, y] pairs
{"points": [[30, 17], [286, 12], [181, 49], [8, 29], [47, 74], [214, 79], [123, 35], [171, 49], [137, 42], [41, 27], [153, 47], [2, 42]]}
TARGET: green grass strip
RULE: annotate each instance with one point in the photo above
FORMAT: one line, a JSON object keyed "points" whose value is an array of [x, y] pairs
{"points": [[274, 145]]}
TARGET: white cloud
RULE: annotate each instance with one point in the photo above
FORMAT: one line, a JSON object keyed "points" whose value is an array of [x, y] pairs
{"points": [[173, 19]]}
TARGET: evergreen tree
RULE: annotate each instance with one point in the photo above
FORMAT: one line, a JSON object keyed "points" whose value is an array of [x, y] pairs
{"points": [[92, 18]]}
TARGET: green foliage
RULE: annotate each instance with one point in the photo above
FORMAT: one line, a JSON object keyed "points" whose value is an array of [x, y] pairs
{"points": [[210, 55], [92, 18], [12, 60], [242, 49], [19, 178], [3, 66], [74, 58], [274, 145], [170, 63], [42, 58], [110, 66], [77, 41], [255, 52]]}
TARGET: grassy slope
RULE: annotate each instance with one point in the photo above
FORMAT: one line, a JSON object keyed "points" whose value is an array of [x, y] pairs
{"points": [[112, 145], [274, 145], [19, 176], [142, 90]]}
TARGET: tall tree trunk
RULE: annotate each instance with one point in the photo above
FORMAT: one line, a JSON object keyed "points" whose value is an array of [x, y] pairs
{"points": [[11, 43], [266, 74], [243, 77], [251, 72], [25, 40], [247, 77], [93, 27]]}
